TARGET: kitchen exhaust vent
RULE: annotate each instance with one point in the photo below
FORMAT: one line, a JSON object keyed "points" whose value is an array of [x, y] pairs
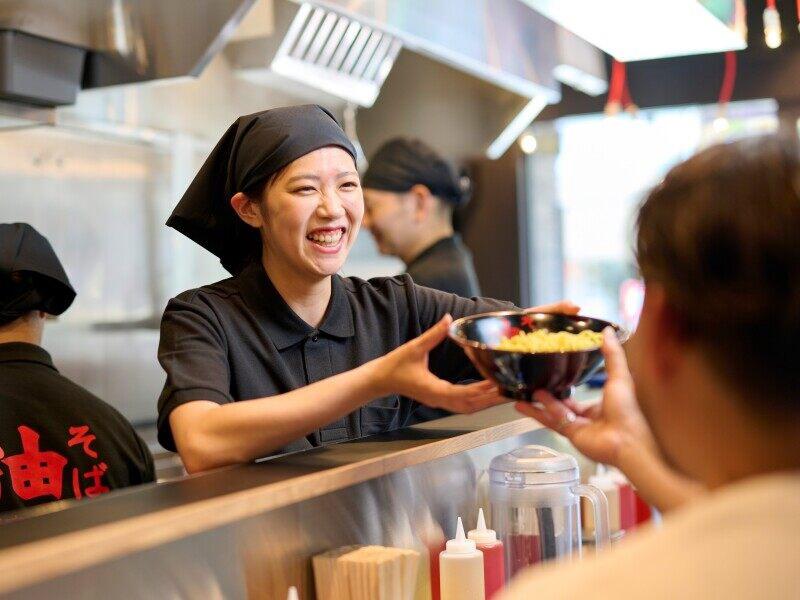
{"points": [[336, 54]]}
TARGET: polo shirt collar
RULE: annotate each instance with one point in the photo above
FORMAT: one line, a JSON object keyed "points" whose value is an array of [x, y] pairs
{"points": [[281, 323], [24, 352]]}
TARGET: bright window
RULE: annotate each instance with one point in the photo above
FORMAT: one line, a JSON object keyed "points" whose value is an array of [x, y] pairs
{"points": [[603, 168]]}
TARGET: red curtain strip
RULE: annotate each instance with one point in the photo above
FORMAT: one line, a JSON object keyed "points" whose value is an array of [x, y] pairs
{"points": [[626, 95], [616, 88], [728, 79]]}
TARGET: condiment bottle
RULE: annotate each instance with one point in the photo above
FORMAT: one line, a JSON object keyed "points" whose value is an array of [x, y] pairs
{"points": [[609, 485], [461, 569], [434, 541], [643, 511], [627, 500], [292, 595], [494, 565]]}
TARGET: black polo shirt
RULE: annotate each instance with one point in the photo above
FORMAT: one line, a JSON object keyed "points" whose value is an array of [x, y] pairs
{"points": [[238, 339], [57, 440], [447, 266]]}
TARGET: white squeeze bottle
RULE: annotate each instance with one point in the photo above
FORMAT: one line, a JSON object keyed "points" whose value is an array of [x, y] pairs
{"points": [[292, 594], [461, 569]]}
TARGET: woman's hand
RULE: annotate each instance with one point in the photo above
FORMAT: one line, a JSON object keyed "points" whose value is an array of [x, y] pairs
{"points": [[563, 307], [405, 371], [603, 430]]}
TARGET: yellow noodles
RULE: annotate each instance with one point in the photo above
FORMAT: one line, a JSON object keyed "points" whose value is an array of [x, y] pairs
{"points": [[542, 340]]}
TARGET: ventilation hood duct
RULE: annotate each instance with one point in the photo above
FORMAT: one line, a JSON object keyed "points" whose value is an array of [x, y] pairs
{"points": [[345, 49], [337, 54], [342, 45], [50, 49]]}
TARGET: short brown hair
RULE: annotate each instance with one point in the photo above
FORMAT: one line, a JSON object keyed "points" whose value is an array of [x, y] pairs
{"points": [[721, 234]]}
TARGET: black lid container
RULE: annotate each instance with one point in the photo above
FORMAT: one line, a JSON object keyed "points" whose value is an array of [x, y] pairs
{"points": [[38, 71]]}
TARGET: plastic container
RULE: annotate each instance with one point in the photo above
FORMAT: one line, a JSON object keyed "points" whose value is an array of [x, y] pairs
{"points": [[461, 569], [494, 563], [535, 497]]}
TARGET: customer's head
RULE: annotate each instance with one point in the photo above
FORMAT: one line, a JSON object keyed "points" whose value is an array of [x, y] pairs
{"points": [[32, 283], [410, 193], [717, 351]]}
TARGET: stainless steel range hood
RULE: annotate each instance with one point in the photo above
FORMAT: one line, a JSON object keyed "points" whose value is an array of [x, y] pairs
{"points": [[346, 49], [49, 49], [502, 42], [503, 46]]}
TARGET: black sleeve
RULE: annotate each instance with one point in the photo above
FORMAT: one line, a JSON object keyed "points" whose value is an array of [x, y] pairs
{"points": [[448, 360], [193, 353]]}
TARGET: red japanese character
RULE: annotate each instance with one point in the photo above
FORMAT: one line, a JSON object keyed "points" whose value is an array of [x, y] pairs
{"points": [[35, 474], [79, 437], [76, 484], [97, 474]]}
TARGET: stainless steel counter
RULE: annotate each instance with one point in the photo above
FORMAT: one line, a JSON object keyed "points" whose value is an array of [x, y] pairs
{"points": [[249, 531]]}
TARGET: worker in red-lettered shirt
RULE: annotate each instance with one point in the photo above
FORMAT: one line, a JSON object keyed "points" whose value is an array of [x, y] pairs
{"points": [[57, 440]]}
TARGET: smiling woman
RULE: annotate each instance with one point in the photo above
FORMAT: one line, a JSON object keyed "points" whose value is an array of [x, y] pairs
{"points": [[308, 215], [287, 354]]}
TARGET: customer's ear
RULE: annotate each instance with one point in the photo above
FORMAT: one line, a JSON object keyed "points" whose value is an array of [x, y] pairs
{"points": [[667, 339]]}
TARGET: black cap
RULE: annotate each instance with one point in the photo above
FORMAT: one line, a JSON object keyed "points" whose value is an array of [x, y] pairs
{"points": [[254, 148], [31, 276], [402, 163]]}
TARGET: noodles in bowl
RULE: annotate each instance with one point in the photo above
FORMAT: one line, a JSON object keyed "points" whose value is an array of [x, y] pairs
{"points": [[543, 340], [525, 351]]}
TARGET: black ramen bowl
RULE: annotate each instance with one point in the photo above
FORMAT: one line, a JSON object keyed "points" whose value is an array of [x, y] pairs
{"points": [[519, 374]]}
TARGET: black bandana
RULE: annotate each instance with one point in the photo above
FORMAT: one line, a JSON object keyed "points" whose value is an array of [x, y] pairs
{"points": [[402, 163], [254, 148], [31, 276]]}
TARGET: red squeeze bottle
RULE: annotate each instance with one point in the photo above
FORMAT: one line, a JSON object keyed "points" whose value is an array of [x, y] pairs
{"points": [[627, 507], [643, 512], [435, 550], [494, 566]]}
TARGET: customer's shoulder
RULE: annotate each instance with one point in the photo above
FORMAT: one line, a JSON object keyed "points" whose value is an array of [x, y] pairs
{"points": [[726, 544]]}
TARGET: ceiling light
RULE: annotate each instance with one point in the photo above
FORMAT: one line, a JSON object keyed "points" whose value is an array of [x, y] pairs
{"points": [[632, 30], [528, 143], [772, 27], [720, 125]]}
